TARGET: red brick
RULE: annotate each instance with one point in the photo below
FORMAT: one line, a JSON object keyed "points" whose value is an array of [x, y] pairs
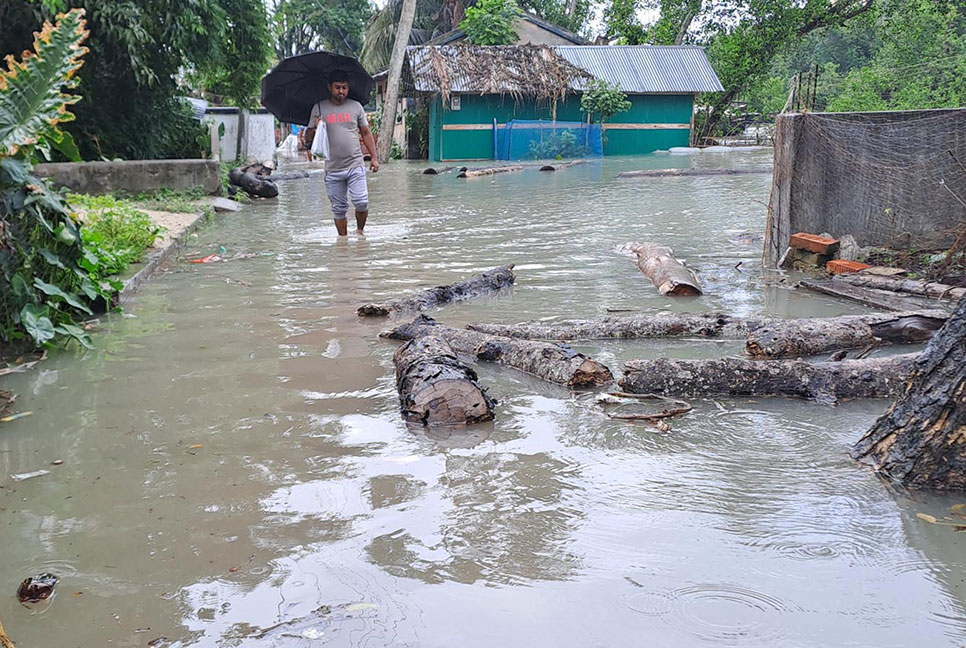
{"points": [[838, 266], [814, 243]]}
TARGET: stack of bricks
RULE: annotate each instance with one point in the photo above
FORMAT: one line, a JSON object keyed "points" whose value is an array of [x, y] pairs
{"points": [[811, 251]]}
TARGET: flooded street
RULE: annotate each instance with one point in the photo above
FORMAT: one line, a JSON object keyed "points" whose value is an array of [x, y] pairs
{"points": [[236, 471]]}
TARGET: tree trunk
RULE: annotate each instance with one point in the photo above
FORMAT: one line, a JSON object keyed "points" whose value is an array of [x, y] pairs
{"points": [[555, 363], [252, 184], [476, 173], [799, 337], [680, 173], [921, 441], [403, 30], [636, 326], [658, 264], [435, 388], [908, 286], [822, 381], [881, 299], [490, 281]]}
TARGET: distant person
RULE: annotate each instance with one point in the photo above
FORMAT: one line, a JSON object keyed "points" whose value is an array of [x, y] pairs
{"points": [[345, 169]]}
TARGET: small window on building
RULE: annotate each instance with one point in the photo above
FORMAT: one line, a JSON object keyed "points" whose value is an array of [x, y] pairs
{"points": [[455, 102]]}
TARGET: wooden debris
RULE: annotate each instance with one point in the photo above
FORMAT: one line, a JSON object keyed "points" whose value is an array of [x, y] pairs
{"points": [[907, 286], [490, 281], [555, 363], [822, 381], [252, 184], [681, 173], [476, 173], [435, 388], [920, 441], [560, 165], [809, 336], [658, 264], [838, 286], [714, 325], [435, 171]]}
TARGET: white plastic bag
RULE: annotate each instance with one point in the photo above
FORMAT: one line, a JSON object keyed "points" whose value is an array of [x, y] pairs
{"points": [[320, 143]]}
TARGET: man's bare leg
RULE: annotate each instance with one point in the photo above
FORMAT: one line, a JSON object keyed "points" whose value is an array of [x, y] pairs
{"points": [[342, 226], [361, 217]]}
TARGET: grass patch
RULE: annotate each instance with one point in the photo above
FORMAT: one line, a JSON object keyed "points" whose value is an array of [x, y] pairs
{"points": [[115, 233], [169, 200]]}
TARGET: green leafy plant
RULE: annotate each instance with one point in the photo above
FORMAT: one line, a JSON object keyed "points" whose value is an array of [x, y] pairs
{"points": [[490, 22], [603, 100], [114, 232], [170, 200], [557, 146], [46, 289]]}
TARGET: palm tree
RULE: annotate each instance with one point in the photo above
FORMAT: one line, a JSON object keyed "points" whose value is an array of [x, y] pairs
{"points": [[432, 18], [395, 74]]}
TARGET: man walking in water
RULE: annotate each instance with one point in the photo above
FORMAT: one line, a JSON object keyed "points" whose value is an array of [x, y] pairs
{"points": [[345, 169]]}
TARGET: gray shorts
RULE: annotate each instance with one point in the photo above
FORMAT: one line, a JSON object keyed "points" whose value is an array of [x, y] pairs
{"points": [[342, 186]]}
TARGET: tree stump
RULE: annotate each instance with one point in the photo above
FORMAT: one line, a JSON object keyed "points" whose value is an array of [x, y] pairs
{"points": [[435, 388], [921, 441]]}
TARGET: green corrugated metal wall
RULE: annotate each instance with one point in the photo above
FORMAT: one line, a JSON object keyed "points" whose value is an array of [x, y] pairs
{"points": [[477, 109]]}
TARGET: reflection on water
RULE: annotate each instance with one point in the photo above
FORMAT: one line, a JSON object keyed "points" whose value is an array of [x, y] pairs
{"points": [[236, 472]]}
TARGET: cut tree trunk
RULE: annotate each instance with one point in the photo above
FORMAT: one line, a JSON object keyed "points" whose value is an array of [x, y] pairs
{"points": [[908, 286], [798, 337], [435, 388], [252, 184], [555, 363], [476, 173], [658, 264], [921, 441], [635, 326], [488, 282], [822, 381], [881, 299]]}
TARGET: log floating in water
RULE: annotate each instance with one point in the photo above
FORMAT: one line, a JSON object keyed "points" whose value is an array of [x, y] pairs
{"points": [[908, 286], [560, 165], [435, 388], [252, 184], [487, 282], [555, 363], [635, 326], [475, 173], [435, 171], [658, 264], [881, 299], [920, 441], [823, 381], [797, 337], [680, 173]]}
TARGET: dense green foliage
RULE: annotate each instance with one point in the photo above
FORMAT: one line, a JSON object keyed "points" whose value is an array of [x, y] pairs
{"points": [[300, 26], [115, 233], [140, 51], [603, 100], [490, 22], [46, 286]]}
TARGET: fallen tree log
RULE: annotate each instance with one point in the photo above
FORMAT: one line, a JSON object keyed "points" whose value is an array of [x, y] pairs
{"points": [[555, 363], [798, 337], [822, 381], [713, 325], [921, 441], [658, 264], [487, 282], [435, 171], [908, 286], [881, 299], [435, 388], [476, 173], [252, 184], [560, 165], [681, 173]]}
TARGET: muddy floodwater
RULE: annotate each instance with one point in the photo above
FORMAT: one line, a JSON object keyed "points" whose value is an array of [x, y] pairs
{"points": [[236, 473]]}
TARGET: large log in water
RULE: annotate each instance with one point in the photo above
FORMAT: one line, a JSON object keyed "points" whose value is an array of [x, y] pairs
{"points": [[658, 264], [682, 173], [252, 184], [921, 441], [555, 363], [880, 299], [435, 388], [712, 325], [490, 281], [908, 286], [797, 337], [476, 173], [823, 381]]}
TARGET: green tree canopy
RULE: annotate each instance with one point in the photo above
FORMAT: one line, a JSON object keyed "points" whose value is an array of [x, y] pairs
{"points": [[490, 22], [300, 26]]}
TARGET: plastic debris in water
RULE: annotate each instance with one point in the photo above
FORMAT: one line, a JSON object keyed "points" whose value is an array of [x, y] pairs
{"points": [[37, 588], [312, 633], [14, 417], [28, 475], [211, 258]]}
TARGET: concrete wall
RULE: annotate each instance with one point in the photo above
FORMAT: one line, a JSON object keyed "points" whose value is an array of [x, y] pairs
{"points": [[134, 176], [260, 129], [890, 179]]}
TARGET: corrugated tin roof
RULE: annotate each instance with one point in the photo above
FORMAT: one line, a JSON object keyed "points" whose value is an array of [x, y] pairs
{"points": [[637, 69]]}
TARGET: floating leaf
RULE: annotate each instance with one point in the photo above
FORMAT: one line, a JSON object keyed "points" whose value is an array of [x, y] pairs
{"points": [[928, 518], [957, 507]]}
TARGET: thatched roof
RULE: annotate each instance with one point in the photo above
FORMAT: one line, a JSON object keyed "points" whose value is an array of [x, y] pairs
{"points": [[518, 70]]}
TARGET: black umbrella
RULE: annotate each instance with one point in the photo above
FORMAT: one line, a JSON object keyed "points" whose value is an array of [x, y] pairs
{"points": [[299, 82]]}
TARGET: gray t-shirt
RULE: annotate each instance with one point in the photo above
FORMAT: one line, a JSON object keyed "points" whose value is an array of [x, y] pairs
{"points": [[342, 123]]}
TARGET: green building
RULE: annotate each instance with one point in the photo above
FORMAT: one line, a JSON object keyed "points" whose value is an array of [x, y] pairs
{"points": [[660, 83]]}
